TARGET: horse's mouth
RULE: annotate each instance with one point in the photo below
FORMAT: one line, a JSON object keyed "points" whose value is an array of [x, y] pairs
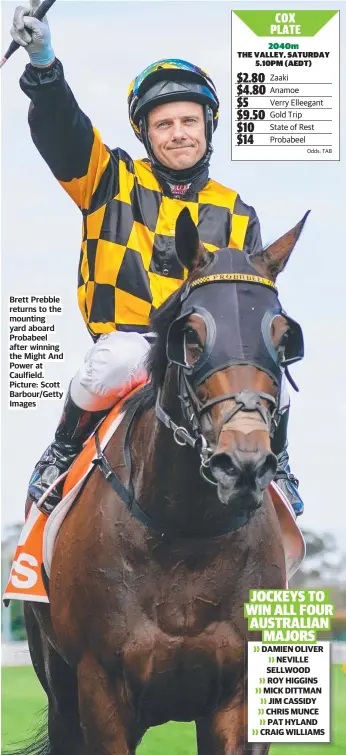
{"points": [[239, 501], [242, 477]]}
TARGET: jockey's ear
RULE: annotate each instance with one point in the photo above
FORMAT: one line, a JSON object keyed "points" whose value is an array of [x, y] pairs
{"points": [[272, 260], [189, 248]]}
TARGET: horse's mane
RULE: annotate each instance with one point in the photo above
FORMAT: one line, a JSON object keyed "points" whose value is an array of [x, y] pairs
{"points": [[156, 361]]}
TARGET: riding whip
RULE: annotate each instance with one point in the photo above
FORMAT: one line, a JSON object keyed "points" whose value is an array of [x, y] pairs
{"points": [[39, 13]]}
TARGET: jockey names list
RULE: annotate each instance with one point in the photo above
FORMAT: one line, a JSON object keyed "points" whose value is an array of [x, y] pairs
{"points": [[285, 85], [31, 347], [288, 693], [289, 671]]}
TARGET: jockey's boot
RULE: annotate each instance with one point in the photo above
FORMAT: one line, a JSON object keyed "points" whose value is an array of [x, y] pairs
{"points": [[73, 430], [284, 477]]}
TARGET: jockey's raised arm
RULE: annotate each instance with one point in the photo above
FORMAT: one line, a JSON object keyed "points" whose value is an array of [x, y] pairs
{"points": [[64, 135]]}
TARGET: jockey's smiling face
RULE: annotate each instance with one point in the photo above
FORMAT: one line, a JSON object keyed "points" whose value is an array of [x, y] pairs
{"points": [[177, 134]]}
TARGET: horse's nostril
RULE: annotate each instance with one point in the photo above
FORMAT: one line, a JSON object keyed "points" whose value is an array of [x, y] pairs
{"points": [[259, 467], [222, 464], [266, 470]]}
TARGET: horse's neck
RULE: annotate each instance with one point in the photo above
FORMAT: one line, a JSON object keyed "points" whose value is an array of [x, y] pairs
{"points": [[167, 481]]}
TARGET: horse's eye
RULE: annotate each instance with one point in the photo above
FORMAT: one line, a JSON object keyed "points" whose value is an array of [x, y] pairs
{"points": [[192, 338], [193, 345], [282, 345]]}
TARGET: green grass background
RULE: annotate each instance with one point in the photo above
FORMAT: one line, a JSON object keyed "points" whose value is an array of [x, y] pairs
{"points": [[23, 700]]}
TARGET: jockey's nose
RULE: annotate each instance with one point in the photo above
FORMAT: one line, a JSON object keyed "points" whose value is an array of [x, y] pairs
{"points": [[178, 131], [253, 469]]}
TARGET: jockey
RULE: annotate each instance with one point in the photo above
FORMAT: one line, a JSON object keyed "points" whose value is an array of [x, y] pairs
{"points": [[128, 264]]}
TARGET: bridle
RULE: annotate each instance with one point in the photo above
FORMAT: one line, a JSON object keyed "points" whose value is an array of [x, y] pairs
{"points": [[246, 401], [193, 409], [192, 435]]}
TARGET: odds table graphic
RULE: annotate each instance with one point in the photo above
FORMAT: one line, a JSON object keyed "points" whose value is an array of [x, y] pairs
{"points": [[285, 85]]}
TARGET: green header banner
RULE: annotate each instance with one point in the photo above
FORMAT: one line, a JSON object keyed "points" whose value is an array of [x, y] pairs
{"points": [[293, 616], [289, 23]]}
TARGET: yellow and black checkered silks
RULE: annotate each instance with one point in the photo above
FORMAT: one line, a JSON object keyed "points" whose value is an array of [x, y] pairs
{"points": [[128, 263]]}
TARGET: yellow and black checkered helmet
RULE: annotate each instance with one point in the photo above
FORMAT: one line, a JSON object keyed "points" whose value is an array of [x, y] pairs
{"points": [[170, 80]]}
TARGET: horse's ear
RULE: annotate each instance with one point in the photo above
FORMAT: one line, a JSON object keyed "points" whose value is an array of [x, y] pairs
{"points": [[273, 259], [189, 248]]}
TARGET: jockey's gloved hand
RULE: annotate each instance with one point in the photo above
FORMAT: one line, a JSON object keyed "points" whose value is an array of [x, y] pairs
{"points": [[33, 34]]}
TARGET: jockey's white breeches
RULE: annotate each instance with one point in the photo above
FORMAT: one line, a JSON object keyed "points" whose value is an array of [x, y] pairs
{"points": [[112, 366]]}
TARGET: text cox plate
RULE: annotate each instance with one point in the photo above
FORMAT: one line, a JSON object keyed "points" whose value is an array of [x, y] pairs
{"points": [[285, 85]]}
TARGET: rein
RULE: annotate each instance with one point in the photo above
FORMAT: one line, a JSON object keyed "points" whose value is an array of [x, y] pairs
{"points": [[127, 496]]}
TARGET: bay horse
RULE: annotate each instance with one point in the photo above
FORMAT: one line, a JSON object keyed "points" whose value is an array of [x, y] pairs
{"points": [[153, 565]]}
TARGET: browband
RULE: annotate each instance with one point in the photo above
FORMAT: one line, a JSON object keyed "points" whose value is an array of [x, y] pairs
{"points": [[248, 278]]}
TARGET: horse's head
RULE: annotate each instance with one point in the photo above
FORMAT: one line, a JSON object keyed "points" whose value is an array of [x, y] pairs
{"points": [[230, 341]]}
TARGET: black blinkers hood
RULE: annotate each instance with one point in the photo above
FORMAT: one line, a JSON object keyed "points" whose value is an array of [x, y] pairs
{"points": [[238, 317]]}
